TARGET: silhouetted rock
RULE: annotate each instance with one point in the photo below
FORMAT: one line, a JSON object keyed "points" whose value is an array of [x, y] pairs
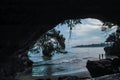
{"points": [[39, 79], [109, 77], [103, 67], [69, 78]]}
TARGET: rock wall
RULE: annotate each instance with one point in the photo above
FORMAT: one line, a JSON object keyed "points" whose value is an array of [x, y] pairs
{"points": [[23, 21]]}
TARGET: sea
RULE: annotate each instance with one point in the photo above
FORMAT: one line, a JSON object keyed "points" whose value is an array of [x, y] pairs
{"points": [[64, 64]]}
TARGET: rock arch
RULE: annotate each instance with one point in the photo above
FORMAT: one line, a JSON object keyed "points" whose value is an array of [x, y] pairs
{"points": [[23, 21]]}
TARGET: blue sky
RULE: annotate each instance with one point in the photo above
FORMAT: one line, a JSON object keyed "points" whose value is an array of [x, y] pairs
{"points": [[86, 33]]}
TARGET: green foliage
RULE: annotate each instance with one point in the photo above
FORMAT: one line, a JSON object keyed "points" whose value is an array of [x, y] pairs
{"points": [[71, 23], [107, 26], [92, 45], [50, 42], [113, 38]]}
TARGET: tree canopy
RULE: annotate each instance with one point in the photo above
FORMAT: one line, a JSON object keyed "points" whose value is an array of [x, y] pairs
{"points": [[113, 38], [50, 42]]}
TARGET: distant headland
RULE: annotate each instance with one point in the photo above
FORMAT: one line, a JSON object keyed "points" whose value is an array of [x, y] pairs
{"points": [[92, 45]]}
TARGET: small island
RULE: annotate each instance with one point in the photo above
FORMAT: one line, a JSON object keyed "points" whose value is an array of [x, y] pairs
{"points": [[92, 45]]}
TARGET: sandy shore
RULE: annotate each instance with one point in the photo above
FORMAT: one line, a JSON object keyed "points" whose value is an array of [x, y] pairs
{"points": [[82, 75]]}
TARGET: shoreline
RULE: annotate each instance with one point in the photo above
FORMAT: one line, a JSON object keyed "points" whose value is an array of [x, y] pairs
{"points": [[84, 75]]}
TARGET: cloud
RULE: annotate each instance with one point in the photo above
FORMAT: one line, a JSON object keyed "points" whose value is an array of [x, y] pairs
{"points": [[86, 33], [91, 21], [87, 40], [73, 42], [84, 30], [95, 38]]}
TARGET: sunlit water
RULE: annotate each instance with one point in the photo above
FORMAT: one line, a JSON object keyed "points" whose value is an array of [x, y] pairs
{"points": [[62, 64]]}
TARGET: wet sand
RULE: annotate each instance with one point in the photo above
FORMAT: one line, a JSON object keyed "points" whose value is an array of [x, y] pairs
{"points": [[82, 75]]}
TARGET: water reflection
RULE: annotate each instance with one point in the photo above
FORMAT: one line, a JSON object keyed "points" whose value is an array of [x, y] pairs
{"points": [[48, 68], [73, 62], [43, 70]]}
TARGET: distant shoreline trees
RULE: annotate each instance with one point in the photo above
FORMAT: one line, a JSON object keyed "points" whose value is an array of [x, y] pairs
{"points": [[93, 45]]}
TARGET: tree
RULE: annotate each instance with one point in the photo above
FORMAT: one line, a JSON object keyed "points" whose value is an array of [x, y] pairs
{"points": [[114, 38], [71, 23], [50, 42]]}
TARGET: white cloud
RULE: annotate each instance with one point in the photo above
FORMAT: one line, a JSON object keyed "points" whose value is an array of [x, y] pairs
{"points": [[73, 42], [86, 33], [95, 38], [84, 30], [87, 40], [91, 21]]}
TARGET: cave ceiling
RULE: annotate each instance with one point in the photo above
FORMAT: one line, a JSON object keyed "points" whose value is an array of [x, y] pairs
{"points": [[23, 21]]}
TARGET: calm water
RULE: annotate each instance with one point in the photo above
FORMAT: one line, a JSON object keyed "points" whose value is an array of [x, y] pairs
{"points": [[60, 64]]}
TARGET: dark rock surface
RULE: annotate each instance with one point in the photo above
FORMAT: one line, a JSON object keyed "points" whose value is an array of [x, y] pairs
{"points": [[109, 77], [112, 50], [103, 67], [23, 21], [70, 78], [67, 78]]}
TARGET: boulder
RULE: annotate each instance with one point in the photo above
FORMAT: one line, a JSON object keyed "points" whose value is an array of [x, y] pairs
{"points": [[102, 67]]}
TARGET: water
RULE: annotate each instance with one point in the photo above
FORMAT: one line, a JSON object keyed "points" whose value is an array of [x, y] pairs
{"points": [[64, 64]]}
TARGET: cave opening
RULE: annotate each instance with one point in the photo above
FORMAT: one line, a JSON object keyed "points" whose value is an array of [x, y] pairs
{"points": [[24, 21], [65, 49]]}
